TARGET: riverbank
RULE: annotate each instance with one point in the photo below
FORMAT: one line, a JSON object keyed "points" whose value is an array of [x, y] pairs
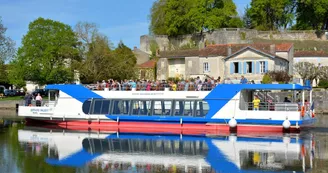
{"points": [[10, 104]]}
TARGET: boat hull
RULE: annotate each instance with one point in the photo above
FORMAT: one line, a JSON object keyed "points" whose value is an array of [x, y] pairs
{"points": [[149, 127]]}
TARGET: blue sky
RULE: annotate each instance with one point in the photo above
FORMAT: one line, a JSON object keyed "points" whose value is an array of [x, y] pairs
{"points": [[123, 20]]}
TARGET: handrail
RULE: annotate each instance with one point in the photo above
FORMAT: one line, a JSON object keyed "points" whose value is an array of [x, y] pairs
{"points": [[274, 106]]}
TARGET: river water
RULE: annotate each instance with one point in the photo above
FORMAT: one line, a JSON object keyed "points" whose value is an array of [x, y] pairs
{"points": [[47, 150]]}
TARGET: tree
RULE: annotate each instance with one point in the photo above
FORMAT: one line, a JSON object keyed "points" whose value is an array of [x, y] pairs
{"points": [[171, 17], [280, 76], [307, 71], [100, 60], [7, 51], [271, 15], [95, 66], [125, 62], [48, 51], [312, 14], [7, 46]]}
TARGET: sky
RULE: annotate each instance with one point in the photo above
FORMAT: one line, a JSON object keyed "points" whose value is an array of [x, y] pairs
{"points": [[124, 20]]}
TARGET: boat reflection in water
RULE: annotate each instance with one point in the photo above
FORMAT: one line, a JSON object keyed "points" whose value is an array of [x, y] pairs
{"points": [[172, 153]]}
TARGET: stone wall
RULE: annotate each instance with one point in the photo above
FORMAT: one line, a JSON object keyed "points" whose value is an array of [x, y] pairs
{"points": [[10, 104], [226, 36]]}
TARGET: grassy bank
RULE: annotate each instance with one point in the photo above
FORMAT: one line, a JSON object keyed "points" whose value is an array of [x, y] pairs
{"points": [[12, 98]]}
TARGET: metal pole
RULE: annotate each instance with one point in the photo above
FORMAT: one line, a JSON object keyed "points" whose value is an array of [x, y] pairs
{"points": [[303, 99], [310, 98]]}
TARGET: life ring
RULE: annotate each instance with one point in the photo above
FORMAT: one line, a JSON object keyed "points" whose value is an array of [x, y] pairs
{"points": [[302, 111]]}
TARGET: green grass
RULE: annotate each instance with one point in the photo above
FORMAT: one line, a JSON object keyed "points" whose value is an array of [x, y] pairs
{"points": [[12, 98], [17, 98]]}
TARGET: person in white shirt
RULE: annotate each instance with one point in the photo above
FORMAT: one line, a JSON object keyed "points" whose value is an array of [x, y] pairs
{"points": [[38, 99]]}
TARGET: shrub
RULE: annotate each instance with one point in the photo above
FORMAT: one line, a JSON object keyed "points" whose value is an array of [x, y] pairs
{"points": [[266, 79], [280, 76], [323, 83]]}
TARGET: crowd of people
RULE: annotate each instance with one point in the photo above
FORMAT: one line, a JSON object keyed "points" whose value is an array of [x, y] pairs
{"points": [[183, 85]]}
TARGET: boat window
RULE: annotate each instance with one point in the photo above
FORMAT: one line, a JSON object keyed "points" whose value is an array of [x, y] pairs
{"points": [[86, 106], [137, 146], [141, 107], [162, 107], [97, 106], [105, 107], [178, 109], [201, 108], [121, 107], [189, 108]]}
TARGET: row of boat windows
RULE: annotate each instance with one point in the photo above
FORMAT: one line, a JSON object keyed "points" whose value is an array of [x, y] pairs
{"points": [[160, 147], [196, 108]]}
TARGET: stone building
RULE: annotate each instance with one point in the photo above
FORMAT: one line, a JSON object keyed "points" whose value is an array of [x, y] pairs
{"points": [[226, 61], [315, 57], [146, 70], [141, 56]]}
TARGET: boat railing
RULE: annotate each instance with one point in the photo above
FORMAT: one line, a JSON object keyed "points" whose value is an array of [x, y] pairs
{"points": [[275, 106], [160, 87], [37, 103]]}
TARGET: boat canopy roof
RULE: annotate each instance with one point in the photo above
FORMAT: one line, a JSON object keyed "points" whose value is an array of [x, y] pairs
{"points": [[274, 86], [240, 86]]}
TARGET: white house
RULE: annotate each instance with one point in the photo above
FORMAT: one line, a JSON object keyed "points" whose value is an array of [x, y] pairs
{"points": [[226, 61]]}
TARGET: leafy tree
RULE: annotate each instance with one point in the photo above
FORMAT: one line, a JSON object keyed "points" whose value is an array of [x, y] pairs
{"points": [[47, 53], [312, 14], [7, 51], [271, 14], [153, 48], [171, 17], [125, 62], [94, 66], [100, 61]]}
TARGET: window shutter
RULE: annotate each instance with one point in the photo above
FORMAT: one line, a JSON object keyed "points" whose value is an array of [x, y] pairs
{"points": [[257, 67], [253, 67], [266, 66], [209, 67], [239, 67], [245, 67], [232, 68], [204, 67]]}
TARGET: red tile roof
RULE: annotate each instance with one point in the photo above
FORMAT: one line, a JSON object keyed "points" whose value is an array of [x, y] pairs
{"points": [[148, 64], [222, 50], [283, 47], [310, 54]]}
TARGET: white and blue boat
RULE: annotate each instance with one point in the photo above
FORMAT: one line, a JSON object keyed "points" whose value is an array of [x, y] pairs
{"points": [[227, 107], [171, 153]]}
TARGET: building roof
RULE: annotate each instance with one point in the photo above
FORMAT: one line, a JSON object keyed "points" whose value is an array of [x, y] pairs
{"points": [[284, 47], [180, 53], [222, 50], [148, 64], [310, 54]]}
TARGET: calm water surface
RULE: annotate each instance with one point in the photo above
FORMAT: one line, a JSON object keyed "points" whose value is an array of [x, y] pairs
{"points": [[47, 150]]}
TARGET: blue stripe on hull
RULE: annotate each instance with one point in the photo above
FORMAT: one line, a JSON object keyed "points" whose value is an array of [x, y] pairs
{"points": [[193, 120]]}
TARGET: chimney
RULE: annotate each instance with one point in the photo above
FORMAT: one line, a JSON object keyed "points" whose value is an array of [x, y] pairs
{"points": [[229, 50], [273, 49]]}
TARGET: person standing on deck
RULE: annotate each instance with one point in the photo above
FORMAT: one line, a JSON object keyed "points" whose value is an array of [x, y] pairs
{"points": [[174, 86], [256, 103], [38, 99], [243, 80]]}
